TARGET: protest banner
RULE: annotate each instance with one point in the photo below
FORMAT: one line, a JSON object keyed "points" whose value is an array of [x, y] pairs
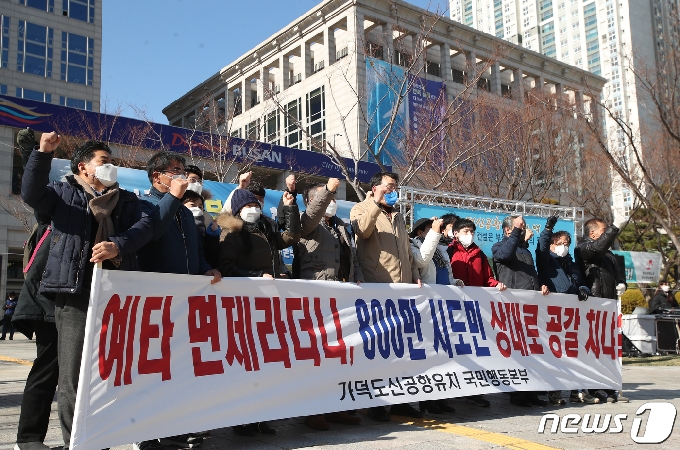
{"points": [[169, 354]]}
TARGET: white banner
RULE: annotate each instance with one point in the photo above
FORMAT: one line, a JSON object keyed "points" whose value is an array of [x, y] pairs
{"points": [[170, 354]]}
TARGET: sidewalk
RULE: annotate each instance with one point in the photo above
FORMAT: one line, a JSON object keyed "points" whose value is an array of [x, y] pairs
{"points": [[500, 426]]}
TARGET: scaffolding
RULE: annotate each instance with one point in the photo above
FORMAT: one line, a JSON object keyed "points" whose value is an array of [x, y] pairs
{"points": [[410, 196]]}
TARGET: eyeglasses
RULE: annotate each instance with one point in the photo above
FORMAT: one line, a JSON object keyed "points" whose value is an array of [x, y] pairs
{"points": [[195, 180], [175, 171], [392, 187]]}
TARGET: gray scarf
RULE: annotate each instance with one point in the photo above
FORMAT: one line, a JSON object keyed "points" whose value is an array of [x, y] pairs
{"points": [[101, 207]]}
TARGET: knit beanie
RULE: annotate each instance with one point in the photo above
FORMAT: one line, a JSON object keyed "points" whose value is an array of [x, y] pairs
{"points": [[241, 198]]}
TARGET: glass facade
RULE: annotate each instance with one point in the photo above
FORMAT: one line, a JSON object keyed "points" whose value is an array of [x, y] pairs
{"points": [[316, 119], [4, 38], [34, 49], [79, 9], [77, 58], [43, 5], [75, 103], [34, 95]]}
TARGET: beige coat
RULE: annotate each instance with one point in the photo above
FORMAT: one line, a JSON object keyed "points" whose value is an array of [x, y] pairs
{"points": [[383, 246]]}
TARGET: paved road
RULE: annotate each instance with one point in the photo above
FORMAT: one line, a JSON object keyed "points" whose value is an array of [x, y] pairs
{"points": [[500, 426]]}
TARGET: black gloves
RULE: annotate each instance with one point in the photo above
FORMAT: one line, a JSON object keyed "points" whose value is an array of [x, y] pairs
{"points": [[583, 293], [551, 222], [26, 141]]}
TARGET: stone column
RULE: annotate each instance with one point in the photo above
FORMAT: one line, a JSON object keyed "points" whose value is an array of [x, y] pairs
{"points": [[306, 53], [355, 29], [418, 52], [578, 97], [329, 42], [263, 88], [496, 79], [518, 85], [445, 62], [284, 69], [245, 94], [539, 83], [388, 51], [471, 66]]}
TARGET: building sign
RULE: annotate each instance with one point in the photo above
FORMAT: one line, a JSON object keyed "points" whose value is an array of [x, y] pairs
{"points": [[641, 267], [45, 117]]}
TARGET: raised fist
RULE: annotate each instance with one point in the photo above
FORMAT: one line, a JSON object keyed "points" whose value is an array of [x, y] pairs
{"points": [[333, 184]]}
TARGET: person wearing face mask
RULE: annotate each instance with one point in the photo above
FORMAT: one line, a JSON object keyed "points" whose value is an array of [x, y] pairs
{"points": [[384, 252], [602, 275], [468, 261], [470, 265], [448, 221], [515, 268], [93, 221], [249, 246], [195, 179], [249, 243], [325, 252], [208, 230], [8, 308], [663, 299], [558, 271]]}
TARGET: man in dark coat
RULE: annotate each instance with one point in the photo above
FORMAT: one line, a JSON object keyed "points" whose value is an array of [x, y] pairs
{"points": [[558, 271], [175, 246], [93, 221], [34, 317], [515, 268], [602, 274]]}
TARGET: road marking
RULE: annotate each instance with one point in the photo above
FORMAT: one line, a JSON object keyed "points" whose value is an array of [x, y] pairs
{"points": [[473, 433], [16, 360]]}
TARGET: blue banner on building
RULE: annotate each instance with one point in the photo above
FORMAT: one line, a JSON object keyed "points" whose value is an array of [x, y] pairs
{"points": [[385, 84], [45, 117], [490, 225]]}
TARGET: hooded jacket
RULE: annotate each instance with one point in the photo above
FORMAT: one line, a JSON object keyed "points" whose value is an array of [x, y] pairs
{"points": [[598, 264], [73, 223], [471, 265], [321, 246], [175, 246], [560, 273], [383, 246], [251, 249], [514, 263]]}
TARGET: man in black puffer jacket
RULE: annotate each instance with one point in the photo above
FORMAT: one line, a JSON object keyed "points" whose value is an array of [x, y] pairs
{"points": [[602, 274], [515, 268], [93, 221]]}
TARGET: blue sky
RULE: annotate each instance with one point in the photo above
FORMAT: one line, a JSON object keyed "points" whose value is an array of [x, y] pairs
{"points": [[156, 50]]}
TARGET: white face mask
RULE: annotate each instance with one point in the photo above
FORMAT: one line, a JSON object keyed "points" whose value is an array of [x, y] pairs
{"points": [[196, 211], [561, 250], [665, 288], [449, 234], [331, 209], [107, 174], [250, 214], [196, 187], [466, 240]]}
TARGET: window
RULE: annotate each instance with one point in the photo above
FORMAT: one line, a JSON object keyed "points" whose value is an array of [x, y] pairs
{"points": [[3, 89], [4, 41], [79, 9], [34, 95], [272, 124], [252, 131], [77, 58], [34, 49], [75, 103], [316, 119], [43, 5], [293, 118]]}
